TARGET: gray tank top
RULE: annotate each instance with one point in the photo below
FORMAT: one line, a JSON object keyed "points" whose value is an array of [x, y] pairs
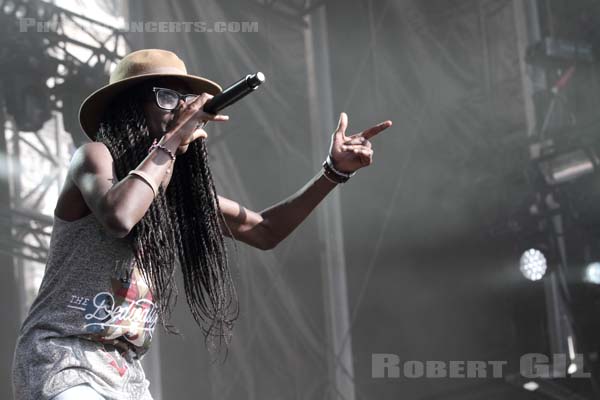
{"points": [[91, 322]]}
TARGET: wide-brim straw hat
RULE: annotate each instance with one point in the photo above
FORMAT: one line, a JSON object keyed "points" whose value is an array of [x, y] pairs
{"points": [[134, 68]]}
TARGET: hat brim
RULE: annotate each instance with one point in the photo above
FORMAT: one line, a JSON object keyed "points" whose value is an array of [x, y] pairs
{"points": [[95, 104]]}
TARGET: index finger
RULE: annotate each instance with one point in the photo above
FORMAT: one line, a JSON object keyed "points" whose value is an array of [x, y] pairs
{"points": [[369, 133], [201, 99]]}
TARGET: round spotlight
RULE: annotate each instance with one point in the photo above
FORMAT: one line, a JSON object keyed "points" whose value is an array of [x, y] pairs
{"points": [[533, 264], [592, 273], [532, 386], [572, 369], [9, 7], [21, 11]]}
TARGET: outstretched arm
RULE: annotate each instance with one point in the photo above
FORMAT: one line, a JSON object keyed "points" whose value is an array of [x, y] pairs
{"points": [[267, 228]]}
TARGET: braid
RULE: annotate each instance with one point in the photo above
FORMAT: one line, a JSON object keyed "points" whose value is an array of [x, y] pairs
{"points": [[209, 287], [181, 223]]}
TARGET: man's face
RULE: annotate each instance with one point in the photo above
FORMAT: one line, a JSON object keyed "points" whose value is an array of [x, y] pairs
{"points": [[156, 117]]}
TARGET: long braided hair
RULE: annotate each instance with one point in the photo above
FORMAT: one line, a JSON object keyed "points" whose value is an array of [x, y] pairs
{"points": [[182, 223]]}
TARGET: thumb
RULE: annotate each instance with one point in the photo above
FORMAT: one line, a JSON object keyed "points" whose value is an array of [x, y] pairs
{"points": [[342, 124]]}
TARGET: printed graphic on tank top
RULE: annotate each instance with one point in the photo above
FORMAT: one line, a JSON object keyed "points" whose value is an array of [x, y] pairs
{"points": [[128, 313]]}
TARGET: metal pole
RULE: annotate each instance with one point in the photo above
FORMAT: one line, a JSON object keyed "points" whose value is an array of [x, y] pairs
{"points": [[528, 31], [329, 220], [10, 289]]}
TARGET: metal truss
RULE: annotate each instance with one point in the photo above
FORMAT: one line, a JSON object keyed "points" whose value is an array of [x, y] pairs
{"points": [[66, 56], [25, 223], [291, 10], [59, 28]]}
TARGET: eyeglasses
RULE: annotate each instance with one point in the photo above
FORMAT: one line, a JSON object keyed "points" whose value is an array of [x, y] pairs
{"points": [[168, 99]]}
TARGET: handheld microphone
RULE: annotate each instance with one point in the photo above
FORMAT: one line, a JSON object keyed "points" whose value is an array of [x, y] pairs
{"points": [[233, 93]]}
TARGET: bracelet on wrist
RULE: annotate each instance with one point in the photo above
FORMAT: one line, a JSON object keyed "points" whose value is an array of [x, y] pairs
{"points": [[146, 178], [334, 175], [329, 162], [156, 145], [331, 175], [330, 178]]}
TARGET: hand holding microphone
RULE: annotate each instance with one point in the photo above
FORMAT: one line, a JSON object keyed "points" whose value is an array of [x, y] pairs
{"points": [[187, 119], [206, 107], [232, 94]]}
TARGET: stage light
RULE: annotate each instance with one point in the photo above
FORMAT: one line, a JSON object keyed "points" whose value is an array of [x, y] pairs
{"points": [[8, 7], [567, 167], [573, 366], [27, 100], [592, 273], [533, 264], [531, 386]]}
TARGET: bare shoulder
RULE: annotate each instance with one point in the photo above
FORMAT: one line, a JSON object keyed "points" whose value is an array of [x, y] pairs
{"points": [[91, 157], [91, 152], [91, 173]]}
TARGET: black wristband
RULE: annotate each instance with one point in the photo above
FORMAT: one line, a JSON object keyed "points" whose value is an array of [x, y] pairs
{"points": [[333, 175]]}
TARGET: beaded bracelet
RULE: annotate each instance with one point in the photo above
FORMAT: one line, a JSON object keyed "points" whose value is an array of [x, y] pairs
{"points": [[155, 145]]}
